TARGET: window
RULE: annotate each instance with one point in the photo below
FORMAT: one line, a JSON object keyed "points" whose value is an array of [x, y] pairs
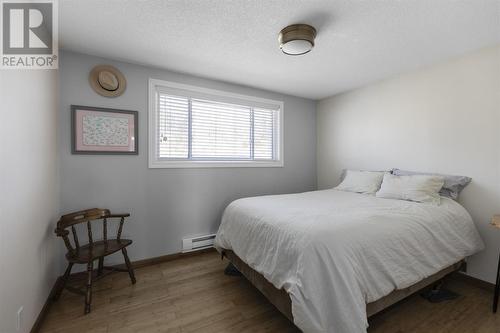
{"points": [[198, 127]]}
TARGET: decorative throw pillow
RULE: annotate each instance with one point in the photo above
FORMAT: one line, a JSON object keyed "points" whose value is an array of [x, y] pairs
{"points": [[419, 188], [452, 187], [367, 182]]}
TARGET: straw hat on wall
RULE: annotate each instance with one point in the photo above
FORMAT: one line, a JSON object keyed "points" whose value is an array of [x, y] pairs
{"points": [[107, 81]]}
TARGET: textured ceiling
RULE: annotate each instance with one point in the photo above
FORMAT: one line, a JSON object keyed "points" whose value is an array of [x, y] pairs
{"points": [[358, 42]]}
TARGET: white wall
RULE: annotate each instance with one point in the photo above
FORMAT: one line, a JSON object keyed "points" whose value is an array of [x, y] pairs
{"points": [[169, 204], [29, 199], [445, 118]]}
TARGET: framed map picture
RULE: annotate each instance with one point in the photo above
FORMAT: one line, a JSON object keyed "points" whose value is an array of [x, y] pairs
{"points": [[104, 131]]}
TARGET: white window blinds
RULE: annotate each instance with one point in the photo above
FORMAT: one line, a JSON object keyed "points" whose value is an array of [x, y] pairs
{"points": [[197, 128], [173, 126], [220, 131]]}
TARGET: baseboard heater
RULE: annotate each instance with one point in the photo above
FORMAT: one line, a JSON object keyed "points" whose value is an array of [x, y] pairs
{"points": [[197, 243]]}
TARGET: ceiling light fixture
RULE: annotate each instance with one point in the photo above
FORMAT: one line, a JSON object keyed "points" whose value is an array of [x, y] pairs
{"points": [[297, 39]]}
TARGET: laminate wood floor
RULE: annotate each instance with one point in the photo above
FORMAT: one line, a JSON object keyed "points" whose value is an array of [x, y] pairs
{"points": [[192, 294]]}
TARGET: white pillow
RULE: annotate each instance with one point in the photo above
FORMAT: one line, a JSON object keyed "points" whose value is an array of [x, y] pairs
{"points": [[419, 188], [367, 182]]}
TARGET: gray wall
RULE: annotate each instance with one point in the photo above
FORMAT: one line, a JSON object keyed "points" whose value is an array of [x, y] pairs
{"points": [[445, 118], [29, 195], [169, 204]]}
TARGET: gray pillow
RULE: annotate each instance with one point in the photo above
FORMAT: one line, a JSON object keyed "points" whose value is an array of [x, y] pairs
{"points": [[452, 187]]}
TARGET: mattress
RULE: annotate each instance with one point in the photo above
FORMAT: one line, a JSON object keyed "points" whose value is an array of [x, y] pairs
{"points": [[334, 251]]}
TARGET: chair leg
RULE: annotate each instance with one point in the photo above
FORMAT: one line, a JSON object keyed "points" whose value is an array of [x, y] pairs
{"points": [[88, 295], [63, 281], [129, 266], [100, 268], [497, 288]]}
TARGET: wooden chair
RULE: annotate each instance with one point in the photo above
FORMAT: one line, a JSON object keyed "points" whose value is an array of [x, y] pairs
{"points": [[94, 250]]}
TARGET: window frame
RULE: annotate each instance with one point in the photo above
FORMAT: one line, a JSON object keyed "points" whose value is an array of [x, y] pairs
{"points": [[155, 162]]}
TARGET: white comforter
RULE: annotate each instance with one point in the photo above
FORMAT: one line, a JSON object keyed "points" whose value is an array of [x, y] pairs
{"points": [[335, 251]]}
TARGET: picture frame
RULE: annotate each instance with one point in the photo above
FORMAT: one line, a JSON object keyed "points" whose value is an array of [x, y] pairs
{"points": [[104, 131]]}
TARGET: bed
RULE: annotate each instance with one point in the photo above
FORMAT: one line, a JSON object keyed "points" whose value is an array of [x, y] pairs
{"points": [[329, 259]]}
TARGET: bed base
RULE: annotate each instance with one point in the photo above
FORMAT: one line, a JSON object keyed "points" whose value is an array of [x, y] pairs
{"points": [[281, 300]]}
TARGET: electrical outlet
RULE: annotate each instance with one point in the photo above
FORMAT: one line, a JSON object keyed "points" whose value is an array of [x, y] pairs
{"points": [[43, 256], [19, 321]]}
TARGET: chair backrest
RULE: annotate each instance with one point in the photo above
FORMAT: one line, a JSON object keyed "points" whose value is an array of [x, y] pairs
{"points": [[82, 216], [86, 216]]}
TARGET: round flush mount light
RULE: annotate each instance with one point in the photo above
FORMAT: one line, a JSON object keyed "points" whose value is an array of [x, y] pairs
{"points": [[297, 39]]}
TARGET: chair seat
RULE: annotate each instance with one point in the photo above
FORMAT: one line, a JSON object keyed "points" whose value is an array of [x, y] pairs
{"points": [[99, 249]]}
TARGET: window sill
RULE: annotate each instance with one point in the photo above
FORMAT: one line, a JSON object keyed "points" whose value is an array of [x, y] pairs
{"points": [[159, 164]]}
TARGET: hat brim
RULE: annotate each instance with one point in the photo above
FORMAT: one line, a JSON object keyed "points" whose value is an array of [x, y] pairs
{"points": [[94, 81]]}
